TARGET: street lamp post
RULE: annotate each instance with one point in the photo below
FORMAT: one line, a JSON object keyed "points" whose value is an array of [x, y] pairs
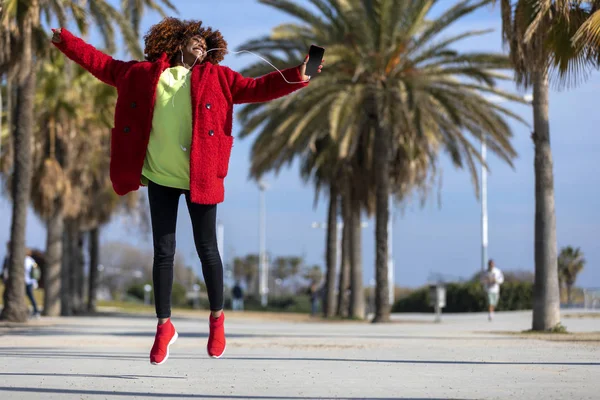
{"points": [[263, 267], [484, 208], [391, 285]]}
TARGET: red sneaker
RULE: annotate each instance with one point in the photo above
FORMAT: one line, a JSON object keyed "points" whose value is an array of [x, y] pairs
{"points": [[216, 338], [166, 335]]}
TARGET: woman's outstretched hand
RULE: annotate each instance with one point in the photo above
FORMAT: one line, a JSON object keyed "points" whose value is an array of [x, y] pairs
{"points": [[303, 69], [56, 35]]}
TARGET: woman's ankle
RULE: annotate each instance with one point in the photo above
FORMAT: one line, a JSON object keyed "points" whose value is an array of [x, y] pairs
{"points": [[216, 314], [162, 320]]}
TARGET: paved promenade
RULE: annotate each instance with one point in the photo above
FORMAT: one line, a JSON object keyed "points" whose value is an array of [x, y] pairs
{"points": [[464, 357]]}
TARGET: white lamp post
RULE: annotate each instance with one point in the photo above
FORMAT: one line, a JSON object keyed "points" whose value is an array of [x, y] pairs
{"points": [[484, 210], [263, 267]]}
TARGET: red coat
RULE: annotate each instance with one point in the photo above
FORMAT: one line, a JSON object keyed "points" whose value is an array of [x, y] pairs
{"points": [[214, 90]]}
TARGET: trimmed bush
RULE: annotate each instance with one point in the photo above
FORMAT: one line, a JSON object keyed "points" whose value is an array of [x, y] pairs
{"points": [[469, 297], [137, 291], [297, 304], [178, 295]]}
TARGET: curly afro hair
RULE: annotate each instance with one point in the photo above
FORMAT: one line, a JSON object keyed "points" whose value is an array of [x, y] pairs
{"points": [[169, 35]]}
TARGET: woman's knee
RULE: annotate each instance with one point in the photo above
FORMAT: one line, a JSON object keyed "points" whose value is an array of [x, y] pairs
{"points": [[164, 258], [208, 252]]}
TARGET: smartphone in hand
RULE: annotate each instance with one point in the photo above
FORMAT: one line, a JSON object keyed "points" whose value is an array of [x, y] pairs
{"points": [[315, 56]]}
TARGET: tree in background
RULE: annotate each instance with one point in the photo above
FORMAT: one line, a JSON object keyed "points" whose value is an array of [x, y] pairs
{"points": [[24, 16], [314, 274], [246, 269], [570, 263], [21, 34], [548, 38], [395, 92]]}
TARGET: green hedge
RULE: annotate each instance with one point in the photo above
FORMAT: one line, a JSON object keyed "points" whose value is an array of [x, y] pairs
{"points": [[178, 294], [297, 304], [469, 297]]}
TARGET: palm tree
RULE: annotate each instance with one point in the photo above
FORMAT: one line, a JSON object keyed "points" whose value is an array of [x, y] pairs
{"points": [[393, 87], [570, 264], [102, 15], [27, 16], [246, 268], [343, 300], [331, 251], [51, 188], [540, 37], [20, 21], [67, 106], [588, 33]]}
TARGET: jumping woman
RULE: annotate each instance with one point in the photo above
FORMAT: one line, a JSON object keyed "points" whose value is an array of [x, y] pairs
{"points": [[172, 133]]}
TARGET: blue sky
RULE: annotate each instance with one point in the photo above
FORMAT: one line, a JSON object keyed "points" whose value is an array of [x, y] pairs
{"points": [[426, 240]]}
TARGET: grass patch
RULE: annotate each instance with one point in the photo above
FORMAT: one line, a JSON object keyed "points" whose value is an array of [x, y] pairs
{"points": [[592, 338], [559, 329], [591, 315]]}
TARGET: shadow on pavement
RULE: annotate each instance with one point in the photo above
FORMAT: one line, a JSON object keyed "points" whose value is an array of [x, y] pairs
{"points": [[44, 353], [71, 330], [449, 362], [128, 377], [181, 395]]}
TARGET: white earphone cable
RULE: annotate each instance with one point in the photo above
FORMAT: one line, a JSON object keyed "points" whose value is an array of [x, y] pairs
{"points": [[262, 58], [184, 148]]}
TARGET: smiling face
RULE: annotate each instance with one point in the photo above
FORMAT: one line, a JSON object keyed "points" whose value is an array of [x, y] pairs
{"points": [[194, 50]]}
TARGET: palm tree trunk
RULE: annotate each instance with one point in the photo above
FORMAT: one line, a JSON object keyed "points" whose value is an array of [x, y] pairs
{"points": [[66, 299], [54, 252], [382, 156], [357, 296], [94, 245], [344, 277], [15, 308], [569, 295], [546, 302], [329, 308]]}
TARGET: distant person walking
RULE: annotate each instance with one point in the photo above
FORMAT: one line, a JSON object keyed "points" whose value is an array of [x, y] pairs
{"points": [[492, 279], [314, 299], [237, 294], [30, 282]]}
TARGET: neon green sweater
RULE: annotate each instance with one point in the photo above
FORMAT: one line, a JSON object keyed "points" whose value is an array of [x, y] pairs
{"points": [[167, 160]]}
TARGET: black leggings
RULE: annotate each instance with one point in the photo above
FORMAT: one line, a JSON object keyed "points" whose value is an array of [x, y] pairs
{"points": [[164, 202]]}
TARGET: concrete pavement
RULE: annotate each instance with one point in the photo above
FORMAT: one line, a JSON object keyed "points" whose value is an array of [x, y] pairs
{"points": [[464, 357]]}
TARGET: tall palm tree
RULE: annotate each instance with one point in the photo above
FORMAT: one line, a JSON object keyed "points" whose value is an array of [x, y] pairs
{"points": [[26, 15], [331, 251], [580, 18], [51, 188], [20, 22], [322, 167], [540, 36], [102, 15], [393, 86], [570, 264], [66, 107], [343, 299]]}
